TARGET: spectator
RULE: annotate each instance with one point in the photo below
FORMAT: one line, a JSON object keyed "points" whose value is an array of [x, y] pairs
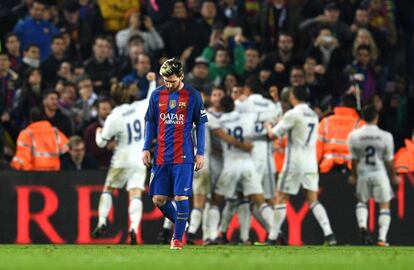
{"points": [[12, 45], [362, 73], [219, 58], [233, 15], [39, 145], [34, 29], [205, 24], [102, 155], [404, 158], [381, 18], [330, 18], [114, 11], [198, 77], [230, 80], [52, 63], [361, 21], [99, 67], [313, 8], [252, 68], [86, 101], [237, 92], [280, 61], [54, 115], [314, 79], [178, 33], [31, 58], [131, 60], [28, 96], [77, 159], [328, 51], [333, 131], [275, 17], [139, 75], [151, 38], [64, 72], [82, 22]]}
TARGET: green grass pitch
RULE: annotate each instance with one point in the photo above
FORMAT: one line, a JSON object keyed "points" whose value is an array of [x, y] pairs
{"points": [[157, 257]]}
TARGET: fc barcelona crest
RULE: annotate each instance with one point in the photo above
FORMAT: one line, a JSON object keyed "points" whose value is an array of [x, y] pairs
{"points": [[182, 105], [173, 104]]}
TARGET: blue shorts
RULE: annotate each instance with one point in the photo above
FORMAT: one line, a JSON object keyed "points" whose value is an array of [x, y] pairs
{"points": [[172, 180]]}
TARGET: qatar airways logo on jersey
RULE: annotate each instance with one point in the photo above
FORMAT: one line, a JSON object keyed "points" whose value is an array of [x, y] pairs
{"points": [[172, 118]]}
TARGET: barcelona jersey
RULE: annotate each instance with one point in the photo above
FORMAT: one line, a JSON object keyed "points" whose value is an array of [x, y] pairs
{"points": [[174, 115]]}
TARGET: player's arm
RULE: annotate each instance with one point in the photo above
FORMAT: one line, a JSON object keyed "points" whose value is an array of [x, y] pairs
{"points": [[245, 146], [150, 131], [200, 119], [389, 160], [353, 178], [282, 127], [104, 135]]}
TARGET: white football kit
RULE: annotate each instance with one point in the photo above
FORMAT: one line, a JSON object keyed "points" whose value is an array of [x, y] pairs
{"points": [[127, 124], [300, 166], [263, 148], [371, 146]]}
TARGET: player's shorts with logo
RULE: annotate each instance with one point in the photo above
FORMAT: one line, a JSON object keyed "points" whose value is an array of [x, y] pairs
{"points": [[290, 182], [172, 180], [133, 177], [374, 185], [238, 171]]}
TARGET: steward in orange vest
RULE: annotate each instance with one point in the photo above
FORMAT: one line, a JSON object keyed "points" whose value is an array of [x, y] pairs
{"points": [[333, 132], [404, 159], [39, 145]]}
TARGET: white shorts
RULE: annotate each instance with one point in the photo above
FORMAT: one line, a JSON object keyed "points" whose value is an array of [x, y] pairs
{"points": [[238, 172], [266, 174], [133, 177], [290, 182], [374, 185], [202, 182]]}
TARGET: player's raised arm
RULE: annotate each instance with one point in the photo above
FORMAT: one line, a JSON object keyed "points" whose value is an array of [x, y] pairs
{"points": [[109, 130], [152, 78]]}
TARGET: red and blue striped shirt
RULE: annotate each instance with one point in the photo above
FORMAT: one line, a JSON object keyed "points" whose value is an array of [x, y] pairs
{"points": [[170, 118]]}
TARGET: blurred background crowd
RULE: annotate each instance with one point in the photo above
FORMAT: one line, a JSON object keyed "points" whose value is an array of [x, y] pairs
{"points": [[59, 59]]}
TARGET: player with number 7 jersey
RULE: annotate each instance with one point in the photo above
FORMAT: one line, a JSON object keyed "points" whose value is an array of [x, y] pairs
{"points": [[125, 125]]}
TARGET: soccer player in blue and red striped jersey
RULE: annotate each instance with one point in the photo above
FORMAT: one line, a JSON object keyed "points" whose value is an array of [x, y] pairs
{"points": [[174, 109]]}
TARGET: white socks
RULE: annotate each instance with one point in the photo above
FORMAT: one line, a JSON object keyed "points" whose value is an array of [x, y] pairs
{"points": [[267, 213], [243, 212], [167, 224], [279, 211], [135, 213], [195, 220], [213, 222], [204, 226], [384, 220], [105, 204], [320, 214], [362, 215]]}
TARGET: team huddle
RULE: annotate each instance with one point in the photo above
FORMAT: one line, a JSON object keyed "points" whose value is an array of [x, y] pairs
{"points": [[232, 156]]}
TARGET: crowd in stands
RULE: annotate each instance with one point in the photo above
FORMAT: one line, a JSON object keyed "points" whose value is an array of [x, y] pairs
{"points": [[59, 59]]}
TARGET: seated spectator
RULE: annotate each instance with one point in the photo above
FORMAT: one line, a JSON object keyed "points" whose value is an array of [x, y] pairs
{"points": [[99, 67], [362, 73], [102, 155], [77, 159], [51, 64], [31, 58], [39, 145], [404, 158], [314, 79], [35, 29], [12, 45], [198, 77], [28, 96], [64, 72], [54, 115], [114, 11], [151, 38], [205, 24], [86, 101], [220, 60], [333, 131], [135, 48], [139, 75]]}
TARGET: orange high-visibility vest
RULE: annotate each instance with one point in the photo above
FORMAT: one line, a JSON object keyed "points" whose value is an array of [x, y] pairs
{"points": [[39, 147], [279, 153], [332, 138], [404, 158]]}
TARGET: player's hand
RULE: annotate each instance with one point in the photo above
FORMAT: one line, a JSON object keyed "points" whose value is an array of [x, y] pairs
{"points": [[99, 130], [151, 76], [247, 146], [146, 158], [269, 131], [199, 162], [352, 180], [395, 179], [111, 145]]}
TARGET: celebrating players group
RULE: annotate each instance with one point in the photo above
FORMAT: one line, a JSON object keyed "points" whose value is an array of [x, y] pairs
{"points": [[230, 148]]}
